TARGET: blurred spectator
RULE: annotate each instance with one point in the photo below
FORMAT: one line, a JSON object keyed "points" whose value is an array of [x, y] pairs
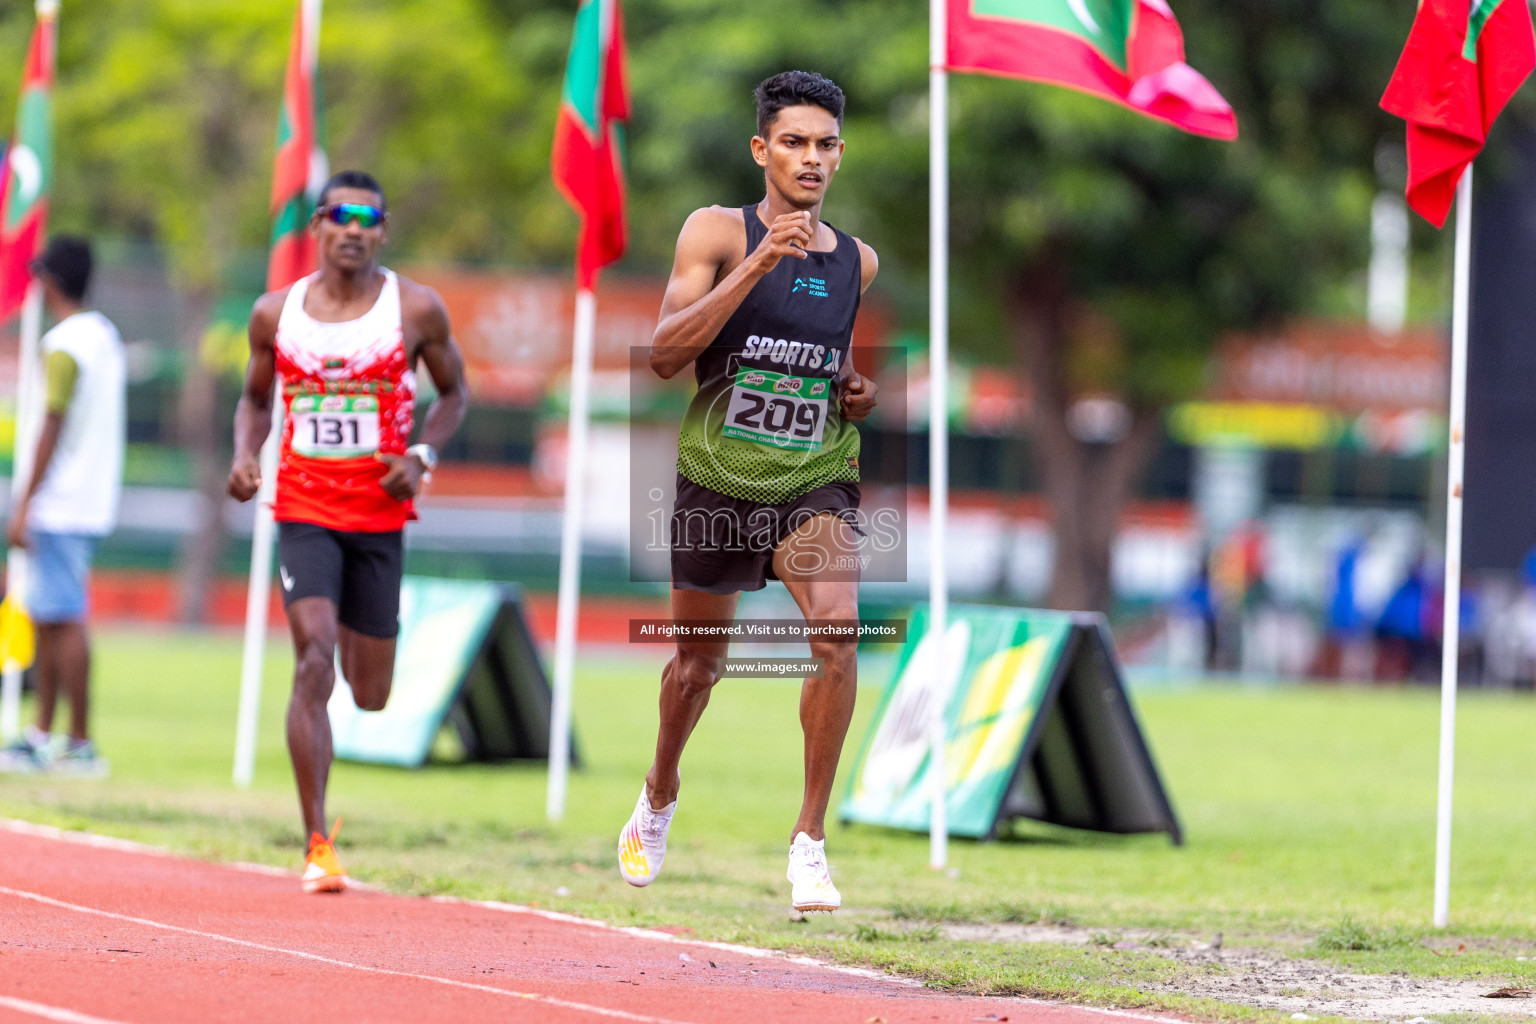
{"points": [[1404, 647], [70, 503], [1200, 604], [1347, 651], [1238, 588]]}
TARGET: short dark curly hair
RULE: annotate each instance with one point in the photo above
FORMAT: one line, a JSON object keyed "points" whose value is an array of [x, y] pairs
{"points": [[796, 89], [352, 179], [67, 262]]}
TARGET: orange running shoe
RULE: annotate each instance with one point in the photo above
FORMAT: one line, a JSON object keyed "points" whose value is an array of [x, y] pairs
{"points": [[322, 871]]}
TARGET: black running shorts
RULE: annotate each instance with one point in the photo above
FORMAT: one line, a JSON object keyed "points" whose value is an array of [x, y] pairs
{"points": [[358, 572], [721, 545]]}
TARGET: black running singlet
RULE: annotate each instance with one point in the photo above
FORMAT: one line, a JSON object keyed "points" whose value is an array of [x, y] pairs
{"points": [[766, 424]]}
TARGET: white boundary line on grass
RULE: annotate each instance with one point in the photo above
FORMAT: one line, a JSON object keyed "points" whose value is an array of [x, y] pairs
{"points": [[656, 936], [47, 1012], [601, 1011], [774, 954], [130, 846]]}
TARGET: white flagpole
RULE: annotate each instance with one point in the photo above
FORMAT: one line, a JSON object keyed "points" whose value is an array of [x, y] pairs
{"points": [[24, 451], [257, 597], [264, 530], [1449, 654], [570, 553], [938, 409]]}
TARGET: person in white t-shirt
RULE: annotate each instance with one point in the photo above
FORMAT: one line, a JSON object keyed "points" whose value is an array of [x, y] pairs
{"points": [[70, 503]]}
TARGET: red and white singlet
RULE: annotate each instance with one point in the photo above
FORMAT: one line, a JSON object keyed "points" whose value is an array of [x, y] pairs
{"points": [[348, 394]]}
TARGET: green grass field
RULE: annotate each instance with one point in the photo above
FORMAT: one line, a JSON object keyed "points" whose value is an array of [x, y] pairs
{"points": [[1309, 814]]}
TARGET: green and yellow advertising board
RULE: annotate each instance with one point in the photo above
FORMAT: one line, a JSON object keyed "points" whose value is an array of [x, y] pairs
{"points": [[1037, 724], [465, 659]]}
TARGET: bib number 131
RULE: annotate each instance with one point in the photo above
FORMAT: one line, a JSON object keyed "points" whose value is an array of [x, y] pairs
{"points": [[335, 427], [778, 410]]}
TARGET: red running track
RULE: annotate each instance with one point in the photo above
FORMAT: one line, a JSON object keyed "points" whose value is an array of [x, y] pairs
{"points": [[96, 931]]}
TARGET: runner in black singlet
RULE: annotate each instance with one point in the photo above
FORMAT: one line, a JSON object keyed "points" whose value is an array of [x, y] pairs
{"points": [[762, 301]]}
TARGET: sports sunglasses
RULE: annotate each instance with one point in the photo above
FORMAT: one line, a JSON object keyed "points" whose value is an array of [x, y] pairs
{"points": [[343, 213]]}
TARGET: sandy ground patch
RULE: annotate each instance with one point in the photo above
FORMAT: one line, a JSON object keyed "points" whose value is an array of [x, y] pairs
{"points": [[1257, 978]]}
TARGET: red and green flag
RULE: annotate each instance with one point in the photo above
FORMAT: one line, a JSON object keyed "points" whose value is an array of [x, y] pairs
{"points": [[588, 157], [1463, 61], [1130, 52], [28, 172], [300, 169]]}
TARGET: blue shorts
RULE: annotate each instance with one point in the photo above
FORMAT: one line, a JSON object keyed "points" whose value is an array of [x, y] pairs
{"points": [[59, 567]]}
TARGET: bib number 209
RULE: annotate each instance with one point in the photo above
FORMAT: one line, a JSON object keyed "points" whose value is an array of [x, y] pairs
{"points": [[777, 410]]}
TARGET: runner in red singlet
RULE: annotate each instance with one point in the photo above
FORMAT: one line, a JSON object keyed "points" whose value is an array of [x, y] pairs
{"points": [[345, 343]]}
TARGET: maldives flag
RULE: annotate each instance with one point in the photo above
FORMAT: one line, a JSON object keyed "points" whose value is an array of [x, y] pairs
{"points": [[1127, 51], [588, 157], [28, 173], [1463, 61], [300, 169]]}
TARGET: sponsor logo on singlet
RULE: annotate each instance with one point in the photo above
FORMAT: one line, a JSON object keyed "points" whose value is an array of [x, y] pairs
{"points": [[793, 353]]}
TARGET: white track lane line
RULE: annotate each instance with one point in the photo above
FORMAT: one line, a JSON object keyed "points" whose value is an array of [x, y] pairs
{"points": [[47, 1012], [601, 1011]]}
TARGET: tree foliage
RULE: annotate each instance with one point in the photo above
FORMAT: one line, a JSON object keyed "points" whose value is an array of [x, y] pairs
{"points": [[167, 111]]}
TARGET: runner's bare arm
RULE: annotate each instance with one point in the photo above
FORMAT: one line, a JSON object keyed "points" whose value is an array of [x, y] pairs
{"points": [[426, 320], [869, 266], [858, 391], [444, 362], [253, 415], [698, 302]]}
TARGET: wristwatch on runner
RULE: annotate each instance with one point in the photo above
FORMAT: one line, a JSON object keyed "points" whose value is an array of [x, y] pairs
{"points": [[428, 456]]}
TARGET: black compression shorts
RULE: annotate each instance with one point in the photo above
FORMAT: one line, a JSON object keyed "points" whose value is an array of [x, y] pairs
{"points": [[359, 573], [721, 545]]}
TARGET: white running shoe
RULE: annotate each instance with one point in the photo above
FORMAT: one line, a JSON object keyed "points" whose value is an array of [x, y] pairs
{"points": [[810, 881], [643, 843]]}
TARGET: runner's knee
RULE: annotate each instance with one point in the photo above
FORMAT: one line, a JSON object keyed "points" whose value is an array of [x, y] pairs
{"points": [[696, 674], [839, 656], [843, 611], [368, 665], [314, 671], [370, 700], [370, 694]]}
